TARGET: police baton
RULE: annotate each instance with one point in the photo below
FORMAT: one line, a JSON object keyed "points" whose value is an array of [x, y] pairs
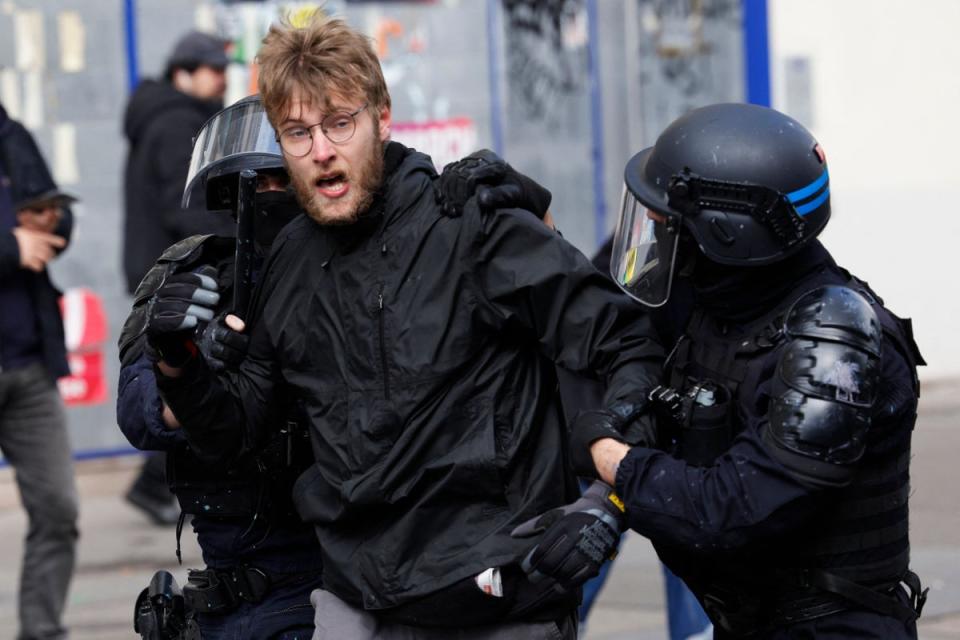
{"points": [[243, 267]]}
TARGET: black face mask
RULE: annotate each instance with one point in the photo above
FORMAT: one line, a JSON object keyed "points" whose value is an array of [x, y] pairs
{"points": [[274, 210], [741, 294]]}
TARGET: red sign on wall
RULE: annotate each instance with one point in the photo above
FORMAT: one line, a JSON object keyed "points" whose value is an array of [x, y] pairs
{"points": [[85, 330], [443, 140]]}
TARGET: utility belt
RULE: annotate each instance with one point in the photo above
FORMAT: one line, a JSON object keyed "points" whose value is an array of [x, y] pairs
{"points": [[220, 591], [164, 611], [160, 613], [811, 594]]}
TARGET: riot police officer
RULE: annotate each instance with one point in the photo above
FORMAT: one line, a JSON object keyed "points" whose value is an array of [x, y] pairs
{"points": [[777, 482], [261, 561], [776, 479]]}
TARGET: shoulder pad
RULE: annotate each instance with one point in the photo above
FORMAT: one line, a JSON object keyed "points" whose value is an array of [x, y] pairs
{"points": [[136, 323], [836, 314], [176, 258], [133, 328], [182, 250], [180, 256], [816, 440], [826, 381], [831, 371], [187, 250]]}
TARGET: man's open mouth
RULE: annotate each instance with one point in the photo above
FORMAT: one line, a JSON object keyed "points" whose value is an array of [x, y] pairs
{"points": [[332, 185]]}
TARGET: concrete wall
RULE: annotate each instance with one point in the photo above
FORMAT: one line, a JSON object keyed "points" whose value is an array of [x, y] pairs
{"points": [[877, 82]]}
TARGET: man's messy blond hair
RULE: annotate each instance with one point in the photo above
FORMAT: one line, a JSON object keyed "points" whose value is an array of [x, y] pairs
{"points": [[325, 58]]}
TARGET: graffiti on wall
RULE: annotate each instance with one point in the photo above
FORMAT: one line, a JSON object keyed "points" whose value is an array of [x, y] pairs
{"points": [[401, 38], [422, 116], [546, 54], [689, 54]]}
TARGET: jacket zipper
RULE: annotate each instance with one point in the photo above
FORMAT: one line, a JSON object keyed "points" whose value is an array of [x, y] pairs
{"points": [[383, 347]]}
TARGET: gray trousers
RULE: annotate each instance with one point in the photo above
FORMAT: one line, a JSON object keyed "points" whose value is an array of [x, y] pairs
{"points": [[34, 440], [334, 619]]}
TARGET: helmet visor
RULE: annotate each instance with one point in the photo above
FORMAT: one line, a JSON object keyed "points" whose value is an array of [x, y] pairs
{"points": [[644, 252], [239, 135]]}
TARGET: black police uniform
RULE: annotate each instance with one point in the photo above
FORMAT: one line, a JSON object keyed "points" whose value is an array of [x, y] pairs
{"points": [[262, 561], [770, 538], [778, 488]]}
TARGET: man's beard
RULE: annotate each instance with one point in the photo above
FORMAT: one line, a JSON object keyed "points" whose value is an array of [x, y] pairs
{"points": [[364, 184]]}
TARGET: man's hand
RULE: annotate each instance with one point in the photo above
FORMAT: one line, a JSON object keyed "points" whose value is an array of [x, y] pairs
{"points": [[36, 247], [627, 422], [496, 184], [576, 539], [223, 344], [176, 310]]}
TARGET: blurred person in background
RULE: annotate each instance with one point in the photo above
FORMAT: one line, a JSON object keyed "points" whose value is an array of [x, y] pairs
{"points": [[261, 560], [35, 226], [160, 122]]}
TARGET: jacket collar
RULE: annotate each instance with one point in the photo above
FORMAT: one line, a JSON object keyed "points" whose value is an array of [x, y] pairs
{"points": [[406, 174]]}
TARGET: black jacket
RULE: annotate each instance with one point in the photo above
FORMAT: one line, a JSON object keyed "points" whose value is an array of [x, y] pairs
{"points": [[22, 162], [423, 348], [160, 123]]}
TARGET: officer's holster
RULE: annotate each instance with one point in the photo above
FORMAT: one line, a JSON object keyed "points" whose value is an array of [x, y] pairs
{"points": [[220, 591]]}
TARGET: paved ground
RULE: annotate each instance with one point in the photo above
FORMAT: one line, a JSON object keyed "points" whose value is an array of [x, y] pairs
{"points": [[119, 550]]}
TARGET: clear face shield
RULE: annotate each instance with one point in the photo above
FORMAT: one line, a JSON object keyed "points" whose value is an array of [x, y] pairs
{"points": [[238, 137], [644, 251]]}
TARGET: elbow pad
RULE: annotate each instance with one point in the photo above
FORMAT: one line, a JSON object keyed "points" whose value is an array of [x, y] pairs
{"points": [[825, 383]]}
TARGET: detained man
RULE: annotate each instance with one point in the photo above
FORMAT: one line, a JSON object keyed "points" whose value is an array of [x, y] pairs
{"points": [[422, 347]]}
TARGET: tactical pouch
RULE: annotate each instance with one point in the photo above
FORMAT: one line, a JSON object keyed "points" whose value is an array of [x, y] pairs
{"points": [[221, 591], [696, 421], [706, 432], [159, 611]]}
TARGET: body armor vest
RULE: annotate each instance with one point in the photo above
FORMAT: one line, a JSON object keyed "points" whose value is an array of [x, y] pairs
{"points": [[855, 550]]}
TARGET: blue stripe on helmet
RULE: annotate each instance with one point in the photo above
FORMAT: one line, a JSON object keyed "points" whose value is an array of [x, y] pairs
{"points": [[804, 209], [810, 189]]}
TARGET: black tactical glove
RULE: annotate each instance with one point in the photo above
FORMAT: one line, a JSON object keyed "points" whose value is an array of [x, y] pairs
{"points": [[176, 310], [628, 421], [496, 184], [576, 539], [222, 347]]}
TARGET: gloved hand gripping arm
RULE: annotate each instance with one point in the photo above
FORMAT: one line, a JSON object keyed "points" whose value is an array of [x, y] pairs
{"points": [[575, 540], [579, 537], [496, 184]]}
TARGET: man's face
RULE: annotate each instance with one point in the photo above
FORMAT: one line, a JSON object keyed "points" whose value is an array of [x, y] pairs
{"points": [[335, 183], [208, 83], [41, 217]]}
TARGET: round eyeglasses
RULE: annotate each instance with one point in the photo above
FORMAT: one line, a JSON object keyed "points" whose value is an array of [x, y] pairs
{"points": [[338, 127]]}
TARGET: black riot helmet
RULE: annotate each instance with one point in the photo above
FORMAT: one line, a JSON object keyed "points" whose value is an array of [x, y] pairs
{"points": [[747, 183], [236, 138]]}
